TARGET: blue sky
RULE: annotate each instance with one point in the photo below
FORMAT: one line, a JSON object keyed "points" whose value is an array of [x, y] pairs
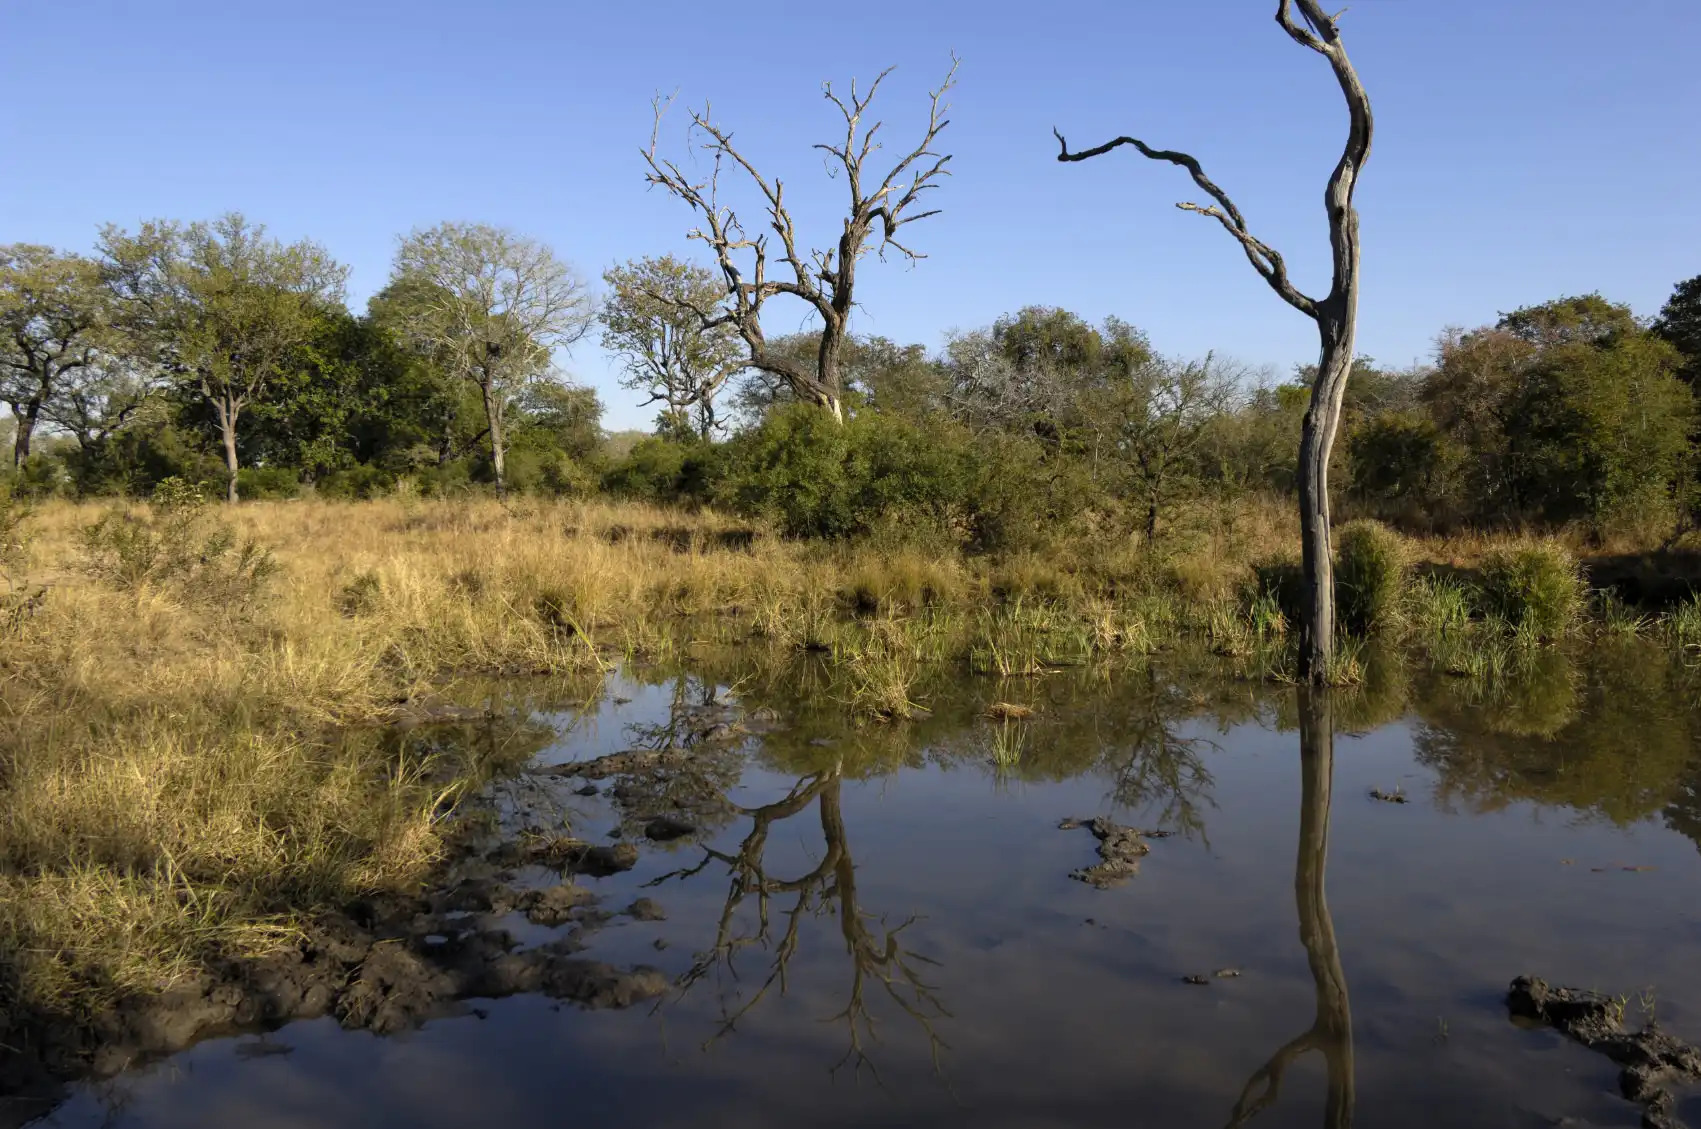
{"points": [[1524, 148]]}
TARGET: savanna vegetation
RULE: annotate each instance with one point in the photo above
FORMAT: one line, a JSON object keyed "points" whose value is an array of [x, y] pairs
{"points": [[245, 527]]}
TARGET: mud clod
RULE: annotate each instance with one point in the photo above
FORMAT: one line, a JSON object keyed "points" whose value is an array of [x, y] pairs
{"points": [[663, 828], [555, 905], [646, 909], [1652, 1061], [1120, 848]]}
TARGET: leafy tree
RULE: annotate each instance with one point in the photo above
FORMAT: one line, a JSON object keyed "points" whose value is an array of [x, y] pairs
{"points": [[649, 321], [1145, 430], [1033, 370], [491, 307], [52, 318], [223, 310], [1679, 324], [1564, 410], [1586, 319]]}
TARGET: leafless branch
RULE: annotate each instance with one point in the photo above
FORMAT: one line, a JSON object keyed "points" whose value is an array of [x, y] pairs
{"points": [[1264, 259]]}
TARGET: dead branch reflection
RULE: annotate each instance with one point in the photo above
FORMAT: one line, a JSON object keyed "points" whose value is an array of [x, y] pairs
{"points": [[880, 960]]}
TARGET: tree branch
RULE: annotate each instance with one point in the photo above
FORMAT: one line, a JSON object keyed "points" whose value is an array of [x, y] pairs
{"points": [[1264, 259]]}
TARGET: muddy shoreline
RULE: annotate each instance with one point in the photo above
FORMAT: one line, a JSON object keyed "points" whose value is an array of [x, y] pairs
{"points": [[386, 962]]}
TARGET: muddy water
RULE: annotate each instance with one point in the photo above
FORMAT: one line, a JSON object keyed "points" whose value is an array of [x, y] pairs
{"points": [[878, 924]]}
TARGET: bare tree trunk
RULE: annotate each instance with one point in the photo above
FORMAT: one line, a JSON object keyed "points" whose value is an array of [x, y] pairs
{"points": [[227, 413], [27, 415], [1317, 442], [1336, 314], [1331, 1031], [493, 417]]}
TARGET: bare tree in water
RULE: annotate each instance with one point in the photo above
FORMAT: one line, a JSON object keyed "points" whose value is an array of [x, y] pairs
{"points": [[1336, 314], [1331, 1032], [824, 279]]}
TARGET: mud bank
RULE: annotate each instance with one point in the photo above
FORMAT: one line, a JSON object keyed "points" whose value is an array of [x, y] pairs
{"points": [[1653, 1062], [389, 962]]}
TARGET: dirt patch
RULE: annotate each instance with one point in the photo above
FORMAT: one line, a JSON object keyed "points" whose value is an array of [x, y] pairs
{"points": [[1652, 1061]]}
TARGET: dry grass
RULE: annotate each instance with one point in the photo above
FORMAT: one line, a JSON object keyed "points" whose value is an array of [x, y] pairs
{"points": [[173, 786]]}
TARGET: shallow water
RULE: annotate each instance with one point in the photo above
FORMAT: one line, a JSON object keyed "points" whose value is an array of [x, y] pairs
{"points": [[927, 958]]}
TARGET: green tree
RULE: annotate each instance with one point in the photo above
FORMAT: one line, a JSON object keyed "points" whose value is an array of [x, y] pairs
{"points": [[225, 311], [53, 316], [1564, 410], [650, 322], [1144, 431], [491, 308], [1679, 324]]}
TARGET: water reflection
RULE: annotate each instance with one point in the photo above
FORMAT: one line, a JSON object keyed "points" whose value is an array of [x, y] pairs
{"points": [[1331, 1031], [877, 953]]}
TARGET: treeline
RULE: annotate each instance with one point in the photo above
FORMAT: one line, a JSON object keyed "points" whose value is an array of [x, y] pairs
{"points": [[211, 353]]}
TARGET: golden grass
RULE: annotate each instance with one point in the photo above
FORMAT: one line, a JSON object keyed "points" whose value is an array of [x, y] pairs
{"points": [[172, 779]]}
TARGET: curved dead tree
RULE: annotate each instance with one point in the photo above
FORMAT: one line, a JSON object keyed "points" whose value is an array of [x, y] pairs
{"points": [[877, 955], [1336, 313], [823, 278], [1332, 1030]]}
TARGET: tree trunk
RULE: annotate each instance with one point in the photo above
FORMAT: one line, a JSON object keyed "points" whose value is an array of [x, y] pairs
{"points": [[27, 415], [1317, 442], [1331, 1030], [493, 417], [1334, 1022], [227, 429]]}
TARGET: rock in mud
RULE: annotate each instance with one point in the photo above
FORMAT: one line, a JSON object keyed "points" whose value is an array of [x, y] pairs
{"points": [[1120, 848], [663, 828], [579, 857], [555, 905], [1651, 1061]]}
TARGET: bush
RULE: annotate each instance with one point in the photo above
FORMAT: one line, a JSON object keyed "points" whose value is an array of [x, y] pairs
{"points": [[268, 482], [816, 477], [176, 546], [1535, 588], [1370, 577], [662, 470], [361, 481]]}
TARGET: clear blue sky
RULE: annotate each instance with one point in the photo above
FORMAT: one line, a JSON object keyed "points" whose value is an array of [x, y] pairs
{"points": [[1524, 148]]}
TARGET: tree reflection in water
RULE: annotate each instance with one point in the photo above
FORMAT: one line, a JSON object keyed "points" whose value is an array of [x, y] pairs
{"points": [[1331, 1032], [876, 952]]}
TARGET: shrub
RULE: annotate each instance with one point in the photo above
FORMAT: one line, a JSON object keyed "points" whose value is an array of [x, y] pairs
{"points": [[360, 596], [361, 481], [1535, 588], [176, 546], [662, 470], [268, 482], [816, 477], [1370, 577]]}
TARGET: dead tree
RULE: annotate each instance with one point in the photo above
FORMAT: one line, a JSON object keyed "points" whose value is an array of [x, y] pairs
{"points": [[1336, 314], [824, 279], [1331, 1031]]}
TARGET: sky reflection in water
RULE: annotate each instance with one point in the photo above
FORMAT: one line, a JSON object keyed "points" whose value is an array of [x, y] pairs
{"points": [[927, 959]]}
